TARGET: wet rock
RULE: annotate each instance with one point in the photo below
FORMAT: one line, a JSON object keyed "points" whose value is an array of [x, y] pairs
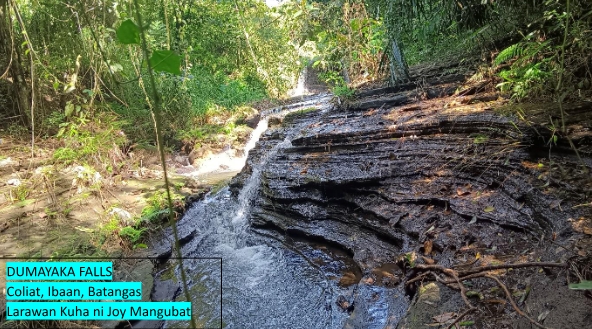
{"points": [[252, 120], [433, 299], [198, 154], [182, 160], [133, 271], [380, 180], [194, 197], [274, 121], [161, 245], [137, 271], [344, 304]]}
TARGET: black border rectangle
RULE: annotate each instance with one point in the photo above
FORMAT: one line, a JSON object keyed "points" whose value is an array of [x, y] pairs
{"points": [[158, 259]]}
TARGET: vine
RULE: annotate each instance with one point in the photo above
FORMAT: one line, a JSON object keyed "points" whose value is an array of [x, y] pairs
{"points": [[164, 61]]}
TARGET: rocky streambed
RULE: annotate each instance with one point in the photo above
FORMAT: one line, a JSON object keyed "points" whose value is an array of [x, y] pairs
{"points": [[367, 205]]}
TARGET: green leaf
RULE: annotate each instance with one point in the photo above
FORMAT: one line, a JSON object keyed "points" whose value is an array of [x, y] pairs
{"points": [[480, 139], [489, 209], [128, 33], [166, 61], [584, 285], [69, 109]]}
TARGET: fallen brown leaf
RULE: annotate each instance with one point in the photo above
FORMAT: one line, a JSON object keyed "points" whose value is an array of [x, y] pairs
{"points": [[427, 247], [428, 261], [444, 317]]}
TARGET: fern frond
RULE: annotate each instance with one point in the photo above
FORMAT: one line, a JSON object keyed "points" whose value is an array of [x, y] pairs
{"points": [[508, 53]]}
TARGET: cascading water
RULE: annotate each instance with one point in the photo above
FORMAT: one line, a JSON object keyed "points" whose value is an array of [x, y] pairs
{"points": [[264, 284]]}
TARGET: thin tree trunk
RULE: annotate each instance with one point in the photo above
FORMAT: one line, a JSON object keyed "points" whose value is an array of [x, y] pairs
{"points": [[13, 71], [32, 74], [260, 69]]}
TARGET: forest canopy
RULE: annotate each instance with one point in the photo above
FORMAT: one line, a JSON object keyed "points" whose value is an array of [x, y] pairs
{"points": [[64, 62]]}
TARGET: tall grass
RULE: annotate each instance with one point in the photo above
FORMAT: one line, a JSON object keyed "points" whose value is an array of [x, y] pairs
{"points": [[190, 101]]}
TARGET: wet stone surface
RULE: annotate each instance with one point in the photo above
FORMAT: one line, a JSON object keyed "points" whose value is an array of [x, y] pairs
{"points": [[450, 182], [335, 208]]}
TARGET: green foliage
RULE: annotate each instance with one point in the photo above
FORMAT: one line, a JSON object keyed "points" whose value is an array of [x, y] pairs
{"points": [[157, 208], [132, 234], [88, 140], [128, 33], [508, 53], [160, 60], [480, 139], [110, 227], [165, 61], [348, 41], [232, 54], [529, 69], [538, 65], [584, 285], [17, 130], [21, 192], [209, 91], [343, 91]]}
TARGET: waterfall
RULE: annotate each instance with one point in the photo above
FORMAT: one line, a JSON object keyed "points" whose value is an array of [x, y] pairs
{"points": [[263, 285], [300, 89]]}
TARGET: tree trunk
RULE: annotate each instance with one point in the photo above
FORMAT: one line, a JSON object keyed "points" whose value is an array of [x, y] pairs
{"points": [[11, 68]]}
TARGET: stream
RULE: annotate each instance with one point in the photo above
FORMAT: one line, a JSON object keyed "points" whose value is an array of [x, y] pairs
{"points": [[265, 283]]}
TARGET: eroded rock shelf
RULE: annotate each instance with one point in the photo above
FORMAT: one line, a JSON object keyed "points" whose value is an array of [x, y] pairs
{"points": [[441, 176]]}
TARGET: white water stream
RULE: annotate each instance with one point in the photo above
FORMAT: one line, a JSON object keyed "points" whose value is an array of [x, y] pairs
{"points": [[263, 286]]}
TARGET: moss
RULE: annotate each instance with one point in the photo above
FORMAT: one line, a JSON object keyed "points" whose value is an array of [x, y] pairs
{"points": [[290, 117]]}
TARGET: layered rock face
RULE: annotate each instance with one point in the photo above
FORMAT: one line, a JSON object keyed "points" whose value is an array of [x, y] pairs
{"points": [[416, 172]]}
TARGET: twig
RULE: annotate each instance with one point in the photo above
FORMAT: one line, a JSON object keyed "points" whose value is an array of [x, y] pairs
{"points": [[451, 273], [418, 278], [480, 272], [507, 266], [462, 315], [511, 300], [472, 276]]}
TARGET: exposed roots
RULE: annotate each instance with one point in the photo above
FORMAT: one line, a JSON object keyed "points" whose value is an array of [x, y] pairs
{"points": [[456, 278], [511, 300]]}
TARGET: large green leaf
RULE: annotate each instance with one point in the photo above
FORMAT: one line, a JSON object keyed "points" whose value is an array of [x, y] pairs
{"points": [[584, 285], [165, 61], [128, 33]]}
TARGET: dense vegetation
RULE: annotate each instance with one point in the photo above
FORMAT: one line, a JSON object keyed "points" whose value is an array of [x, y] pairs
{"points": [[96, 78], [80, 74], [64, 69]]}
